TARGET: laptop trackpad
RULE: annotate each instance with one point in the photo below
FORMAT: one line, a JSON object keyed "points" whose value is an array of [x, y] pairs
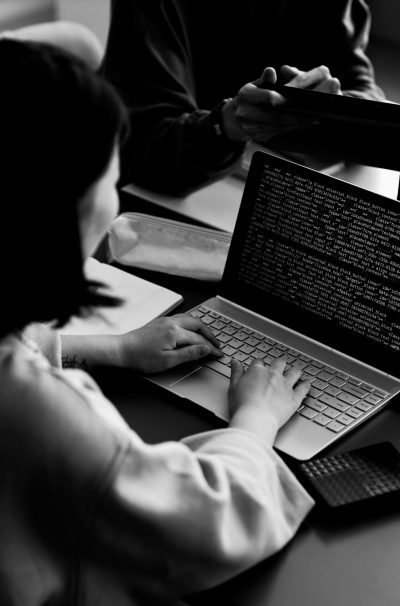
{"points": [[207, 388]]}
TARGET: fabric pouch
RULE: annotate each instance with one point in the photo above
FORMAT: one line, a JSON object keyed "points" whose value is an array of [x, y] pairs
{"points": [[164, 245]]}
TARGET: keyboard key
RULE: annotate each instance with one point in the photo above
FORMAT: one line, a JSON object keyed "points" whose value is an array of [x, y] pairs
{"points": [[304, 358], [218, 324], [354, 412], [213, 314], [196, 313], [334, 402], [332, 391], [366, 387], [336, 381], [252, 341], [319, 384], [325, 376], [317, 364], [311, 370], [356, 391], [248, 331], [321, 419], [281, 346], [372, 398], [331, 412], [224, 338], [347, 397], [363, 405], [314, 393], [380, 394], [344, 419], [229, 351], [239, 355], [246, 348], [354, 381], [264, 347], [235, 343], [275, 353], [241, 336], [335, 426], [314, 404], [258, 335], [237, 326], [207, 319], [229, 330], [258, 355], [308, 413]]}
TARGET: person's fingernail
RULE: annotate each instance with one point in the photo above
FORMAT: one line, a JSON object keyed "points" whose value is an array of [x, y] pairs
{"points": [[204, 350]]}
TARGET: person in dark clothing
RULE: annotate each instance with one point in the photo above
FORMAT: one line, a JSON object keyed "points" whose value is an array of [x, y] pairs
{"points": [[175, 63]]}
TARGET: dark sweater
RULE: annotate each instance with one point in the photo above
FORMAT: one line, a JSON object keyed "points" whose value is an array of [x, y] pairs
{"points": [[174, 60]]}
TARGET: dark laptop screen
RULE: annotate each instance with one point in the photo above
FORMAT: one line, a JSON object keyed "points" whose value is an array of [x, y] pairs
{"points": [[320, 256]]}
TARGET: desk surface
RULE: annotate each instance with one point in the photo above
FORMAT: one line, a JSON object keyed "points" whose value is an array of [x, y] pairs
{"points": [[325, 563]]}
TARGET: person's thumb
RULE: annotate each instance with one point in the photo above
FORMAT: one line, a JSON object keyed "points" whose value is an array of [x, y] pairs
{"points": [[267, 79]]}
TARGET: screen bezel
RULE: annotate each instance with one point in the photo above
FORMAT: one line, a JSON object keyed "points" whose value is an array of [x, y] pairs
{"points": [[302, 321]]}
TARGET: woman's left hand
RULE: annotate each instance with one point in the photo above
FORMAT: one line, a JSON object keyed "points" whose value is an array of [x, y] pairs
{"points": [[166, 342]]}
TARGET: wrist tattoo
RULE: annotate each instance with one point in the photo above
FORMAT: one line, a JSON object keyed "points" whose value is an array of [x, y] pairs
{"points": [[74, 362]]}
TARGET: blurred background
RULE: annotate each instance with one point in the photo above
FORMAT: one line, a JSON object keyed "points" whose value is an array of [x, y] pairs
{"points": [[384, 47]]}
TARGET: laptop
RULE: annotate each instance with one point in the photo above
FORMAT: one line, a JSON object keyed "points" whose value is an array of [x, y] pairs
{"points": [[313, 275]]}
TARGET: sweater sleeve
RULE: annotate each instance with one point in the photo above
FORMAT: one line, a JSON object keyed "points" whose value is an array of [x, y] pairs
{"points": [[196, 513], [128, 522], [172, 146], [47, 340]]}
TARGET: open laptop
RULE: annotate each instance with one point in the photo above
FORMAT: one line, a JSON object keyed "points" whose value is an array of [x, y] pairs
{"points": [[312, 274]]}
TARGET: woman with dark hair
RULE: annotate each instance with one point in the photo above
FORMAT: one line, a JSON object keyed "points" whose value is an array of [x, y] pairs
{"points": [[89, 514]]}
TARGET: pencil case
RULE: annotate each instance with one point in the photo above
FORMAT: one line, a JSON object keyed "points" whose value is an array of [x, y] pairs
{"points": [[169, 246]]}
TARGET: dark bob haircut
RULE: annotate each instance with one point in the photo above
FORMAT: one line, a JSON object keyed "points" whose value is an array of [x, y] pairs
{"points": [[59, 125]]}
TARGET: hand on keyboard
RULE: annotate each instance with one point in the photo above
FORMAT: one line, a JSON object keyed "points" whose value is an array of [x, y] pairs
{"points": [[335, 401], [262, 399], [167, 342]]}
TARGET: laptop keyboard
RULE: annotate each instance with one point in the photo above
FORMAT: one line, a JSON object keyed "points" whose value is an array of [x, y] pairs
{"points": [[335, 400]]}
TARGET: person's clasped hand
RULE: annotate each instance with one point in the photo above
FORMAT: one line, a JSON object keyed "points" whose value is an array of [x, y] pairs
{"points": [[165, 343], [259, 113]]}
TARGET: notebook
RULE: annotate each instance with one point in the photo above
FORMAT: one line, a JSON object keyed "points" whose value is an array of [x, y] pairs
{"points": [[142, 301], [312, 274]]}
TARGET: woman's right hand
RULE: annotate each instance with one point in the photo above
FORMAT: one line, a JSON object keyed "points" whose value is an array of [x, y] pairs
{"points": [[262, 398]]}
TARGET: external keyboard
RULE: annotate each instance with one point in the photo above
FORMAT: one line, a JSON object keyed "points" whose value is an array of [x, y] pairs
{"points": [[335, 399]]}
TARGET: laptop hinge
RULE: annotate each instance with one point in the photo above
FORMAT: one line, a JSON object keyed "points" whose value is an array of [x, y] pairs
{"points": [[309, 339]]}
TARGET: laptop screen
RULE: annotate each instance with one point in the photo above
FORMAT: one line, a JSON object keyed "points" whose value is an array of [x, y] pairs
{"points": [[320, 256]]}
